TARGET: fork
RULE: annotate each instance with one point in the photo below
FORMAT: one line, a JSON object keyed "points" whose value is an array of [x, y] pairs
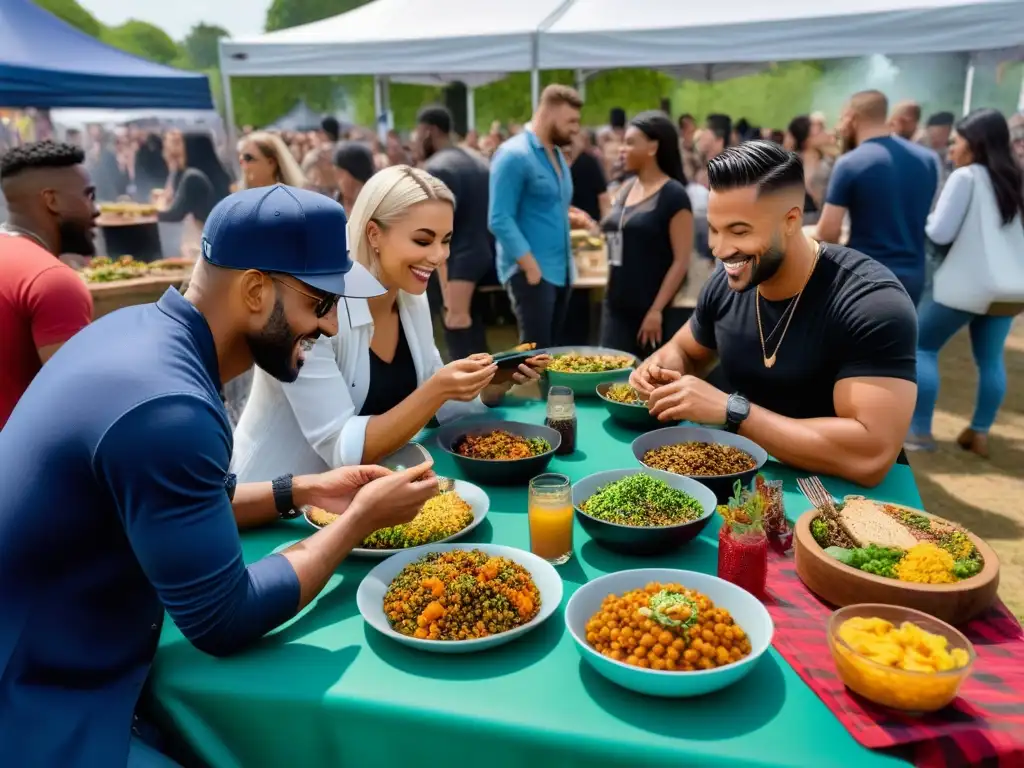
{"points": [[816, 493]]}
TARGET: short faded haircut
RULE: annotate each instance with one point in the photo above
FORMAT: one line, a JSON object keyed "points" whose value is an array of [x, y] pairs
{"points": [[870, 104]]}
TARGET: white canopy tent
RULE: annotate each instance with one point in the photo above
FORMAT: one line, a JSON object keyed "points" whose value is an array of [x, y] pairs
{"points": [[397, 40], [659, 33]]}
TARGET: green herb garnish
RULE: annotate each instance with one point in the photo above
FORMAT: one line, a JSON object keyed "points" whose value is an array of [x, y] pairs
{"points": [[643, 501], [664, 606]]}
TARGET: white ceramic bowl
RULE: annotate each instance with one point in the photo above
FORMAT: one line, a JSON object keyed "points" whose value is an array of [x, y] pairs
{"points": [[745, 609], [370, 596], [474, 495]]}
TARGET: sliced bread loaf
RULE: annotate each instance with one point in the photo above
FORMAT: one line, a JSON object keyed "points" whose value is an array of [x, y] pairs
{"points": [[866, 524]]}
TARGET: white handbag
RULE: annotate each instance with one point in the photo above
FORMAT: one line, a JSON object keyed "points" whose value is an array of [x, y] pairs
{"points": [[985, 263]]}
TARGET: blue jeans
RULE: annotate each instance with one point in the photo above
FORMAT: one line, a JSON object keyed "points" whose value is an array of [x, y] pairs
{"points": [[936, 326]]}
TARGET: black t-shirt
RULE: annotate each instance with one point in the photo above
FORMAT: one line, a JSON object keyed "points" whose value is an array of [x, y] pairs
{"points": [[646, 247], [588, 184], [390, 383], [854, 319], [468, 177], [193, 193]]}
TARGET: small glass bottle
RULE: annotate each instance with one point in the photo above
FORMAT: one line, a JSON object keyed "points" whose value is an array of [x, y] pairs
{"points": [[562, 418]]}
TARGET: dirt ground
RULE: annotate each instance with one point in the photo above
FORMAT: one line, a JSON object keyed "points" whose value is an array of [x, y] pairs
{"points": [[982, 495]]}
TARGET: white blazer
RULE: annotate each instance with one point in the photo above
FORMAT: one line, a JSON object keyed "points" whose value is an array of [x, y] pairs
{"points": [[311, 425]]}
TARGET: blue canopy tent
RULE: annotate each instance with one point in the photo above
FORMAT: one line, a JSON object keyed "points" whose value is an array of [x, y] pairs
{"points": [[45, 63]]}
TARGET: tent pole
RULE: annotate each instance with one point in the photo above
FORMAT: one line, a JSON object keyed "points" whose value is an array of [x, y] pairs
{"points": [[470, 108], [229, 108], [378, 108], [535, 73], [581, 83], [969, 85], [1020, 97]]}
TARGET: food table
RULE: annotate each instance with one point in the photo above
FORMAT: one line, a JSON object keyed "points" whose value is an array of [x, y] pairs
{"points": [[106, 297], [328, 690]]}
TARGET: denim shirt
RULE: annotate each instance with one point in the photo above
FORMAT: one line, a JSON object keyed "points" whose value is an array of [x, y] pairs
{"points": [[529, 209]]}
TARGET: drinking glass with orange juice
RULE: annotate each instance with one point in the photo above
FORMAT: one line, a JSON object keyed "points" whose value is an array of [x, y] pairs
{"points": [[551, 518]]}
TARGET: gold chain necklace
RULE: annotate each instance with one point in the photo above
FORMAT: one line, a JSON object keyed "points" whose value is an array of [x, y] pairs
{"points": [[769, 360]]}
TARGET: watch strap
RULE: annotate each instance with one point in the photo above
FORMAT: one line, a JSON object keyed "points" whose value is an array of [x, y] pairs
{"points": [[737, 409], [284, 502]]}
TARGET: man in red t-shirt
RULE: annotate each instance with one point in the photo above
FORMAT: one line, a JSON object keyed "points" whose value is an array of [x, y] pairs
{"points": [[43, 303]]}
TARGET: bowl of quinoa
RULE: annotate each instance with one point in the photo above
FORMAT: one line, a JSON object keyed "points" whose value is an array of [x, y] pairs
{"points": [[450, 598], [499, 452], [446, 517], [582, 368]]}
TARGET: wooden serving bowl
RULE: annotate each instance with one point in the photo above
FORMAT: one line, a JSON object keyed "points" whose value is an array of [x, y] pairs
{"points": [[842, 585]]}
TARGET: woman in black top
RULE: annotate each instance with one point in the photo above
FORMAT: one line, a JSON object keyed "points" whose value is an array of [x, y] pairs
{"points": [[649, 234], [198, 181]]}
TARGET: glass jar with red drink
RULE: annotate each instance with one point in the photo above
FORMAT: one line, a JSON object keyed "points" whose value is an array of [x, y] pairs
{"points": [[742, 543]]}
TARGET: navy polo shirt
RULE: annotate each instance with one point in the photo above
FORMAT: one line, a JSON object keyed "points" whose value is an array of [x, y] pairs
{"points": [[113, 509]]}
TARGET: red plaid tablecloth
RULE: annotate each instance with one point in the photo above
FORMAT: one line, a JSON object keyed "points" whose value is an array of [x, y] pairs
{"points": [[983, 727]]}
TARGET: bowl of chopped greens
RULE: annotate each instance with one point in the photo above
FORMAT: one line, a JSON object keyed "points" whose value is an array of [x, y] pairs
{"points": [[448, 516], [583, 368], [626, 407], [858, 550], [642, 511], [499, 452]]}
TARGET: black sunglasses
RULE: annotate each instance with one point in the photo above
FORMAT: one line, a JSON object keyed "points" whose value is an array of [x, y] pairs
{"points": [[324, 303]]}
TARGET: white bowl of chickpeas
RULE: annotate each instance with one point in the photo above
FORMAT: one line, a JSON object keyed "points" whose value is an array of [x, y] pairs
{"points": [[667, 632]]}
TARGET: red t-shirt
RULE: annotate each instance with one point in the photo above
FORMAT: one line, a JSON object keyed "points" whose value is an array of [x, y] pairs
{"points": [[42, 302]]}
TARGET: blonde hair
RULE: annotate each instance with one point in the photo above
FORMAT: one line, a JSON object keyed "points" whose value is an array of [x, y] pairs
{"points": [[385, 199], [272, 146]]}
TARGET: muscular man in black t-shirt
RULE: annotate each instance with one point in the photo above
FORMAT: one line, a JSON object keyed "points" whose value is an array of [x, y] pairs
{"points": [[819, 339], [472, 248]]}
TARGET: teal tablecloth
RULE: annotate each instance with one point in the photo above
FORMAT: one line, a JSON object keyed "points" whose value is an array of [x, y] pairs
{"points": [[326, 690]]}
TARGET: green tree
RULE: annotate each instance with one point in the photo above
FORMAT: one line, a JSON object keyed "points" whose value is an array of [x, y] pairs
{"points": [[291, 13], [144, 40], [201, 45], [74, 14]]}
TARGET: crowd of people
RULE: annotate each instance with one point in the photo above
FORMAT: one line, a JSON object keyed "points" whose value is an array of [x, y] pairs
{"points": [[313, 277]]}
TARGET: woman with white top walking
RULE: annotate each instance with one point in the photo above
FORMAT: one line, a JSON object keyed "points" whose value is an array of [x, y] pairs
{"points": [[368, 390], [980, 283]]}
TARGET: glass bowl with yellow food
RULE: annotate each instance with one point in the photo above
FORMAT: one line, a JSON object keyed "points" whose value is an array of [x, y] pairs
{"points": [[898, 657]]}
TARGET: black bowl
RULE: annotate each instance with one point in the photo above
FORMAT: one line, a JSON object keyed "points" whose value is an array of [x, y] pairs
{"points": [[637, 540], [497, 471], [632, 416], [721, 485]]}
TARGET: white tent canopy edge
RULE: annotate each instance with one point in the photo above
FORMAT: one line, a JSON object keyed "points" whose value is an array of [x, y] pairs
{"points": [[395, 39]]}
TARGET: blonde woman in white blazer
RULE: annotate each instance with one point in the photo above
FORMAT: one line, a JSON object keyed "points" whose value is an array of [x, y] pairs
{"points": [[980, 283], [368, 390]]}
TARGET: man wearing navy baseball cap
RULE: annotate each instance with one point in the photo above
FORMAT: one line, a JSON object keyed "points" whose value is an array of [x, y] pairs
{"points": [[116, 504]]}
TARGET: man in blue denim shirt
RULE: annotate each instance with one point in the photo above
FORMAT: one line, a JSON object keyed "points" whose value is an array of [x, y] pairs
{"points": [[531, 190], [116, 505]]}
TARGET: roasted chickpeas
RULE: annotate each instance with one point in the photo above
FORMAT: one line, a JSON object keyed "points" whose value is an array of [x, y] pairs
{"points": [[666, 627]]}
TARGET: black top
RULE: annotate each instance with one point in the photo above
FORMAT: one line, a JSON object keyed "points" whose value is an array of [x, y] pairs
{"points": [[588, 184], [390, 383], [193, 193], [854, 319], [646, 247], [468, 177]]}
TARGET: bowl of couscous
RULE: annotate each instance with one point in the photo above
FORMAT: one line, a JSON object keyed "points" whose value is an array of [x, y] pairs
{"points": [[448, 516], [668, 633]]}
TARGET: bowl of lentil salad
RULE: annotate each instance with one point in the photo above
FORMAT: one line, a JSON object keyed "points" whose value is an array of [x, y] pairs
{"points": [[625, 406], [642, 511], [713, 456], [583, 368], [446, 517], [719, 597], [440, 571], [499, 452]]}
